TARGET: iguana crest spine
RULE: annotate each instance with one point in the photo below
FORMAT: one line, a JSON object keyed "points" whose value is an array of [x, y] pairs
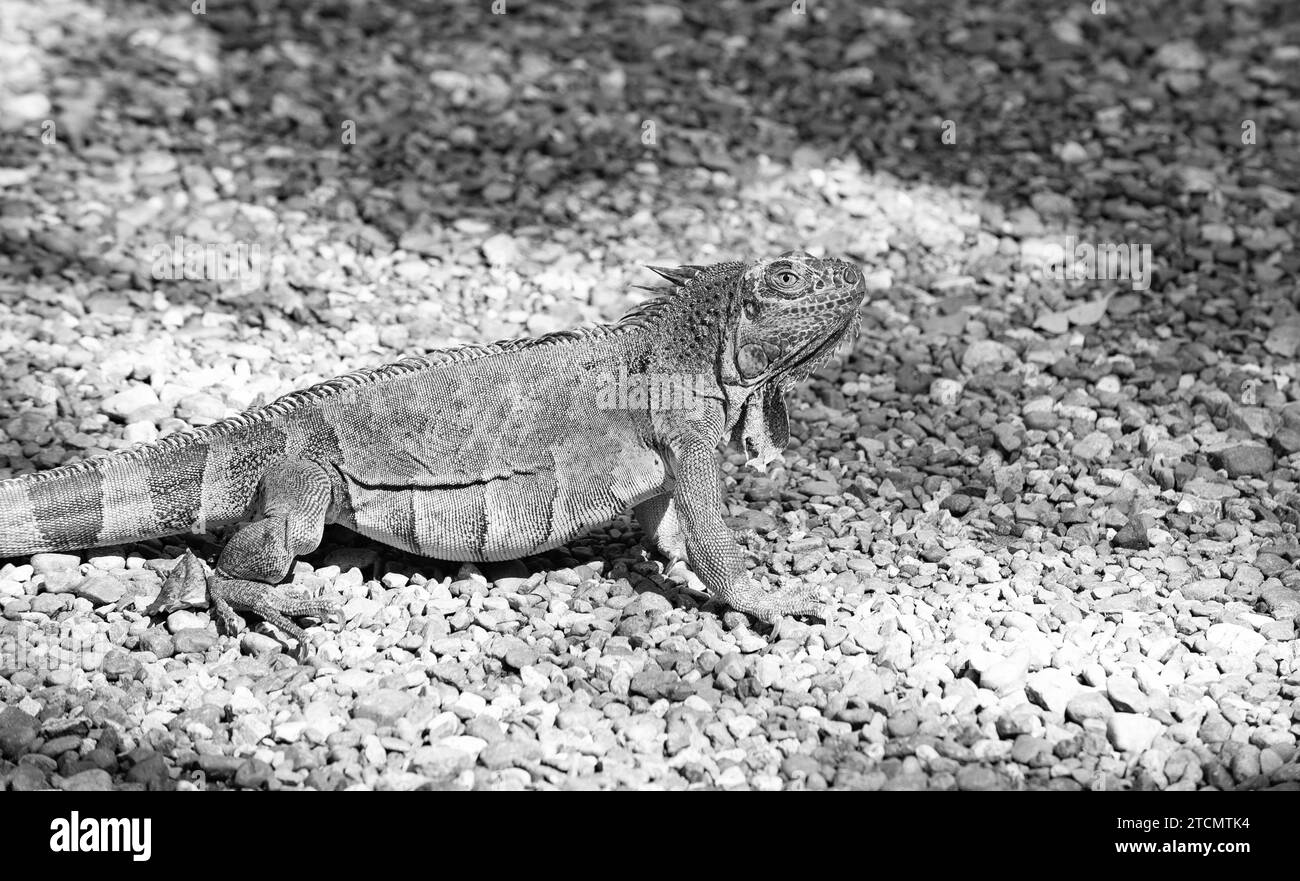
{"points": [[635, 319]]}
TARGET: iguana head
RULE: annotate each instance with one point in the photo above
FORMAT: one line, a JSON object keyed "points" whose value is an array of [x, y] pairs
{"points": [[768, 324], [790, 314]]}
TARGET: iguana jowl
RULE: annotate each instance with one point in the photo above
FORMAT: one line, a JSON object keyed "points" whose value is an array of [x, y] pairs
{"points": [[480, 452]]}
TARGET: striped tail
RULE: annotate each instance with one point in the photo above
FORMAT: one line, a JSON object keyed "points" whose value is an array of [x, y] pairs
{"points": [[128, 497]]}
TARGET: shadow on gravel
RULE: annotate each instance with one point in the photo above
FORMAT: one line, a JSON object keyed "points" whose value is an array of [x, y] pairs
{"points": [[490, 115], [526, 118], [406, 116]]}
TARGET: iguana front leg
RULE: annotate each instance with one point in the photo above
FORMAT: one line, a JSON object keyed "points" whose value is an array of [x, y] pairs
{"points": [[295, 500], [712, 550]]}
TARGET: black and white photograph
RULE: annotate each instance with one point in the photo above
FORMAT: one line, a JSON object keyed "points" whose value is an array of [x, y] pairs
{"points": [[511, 395]]}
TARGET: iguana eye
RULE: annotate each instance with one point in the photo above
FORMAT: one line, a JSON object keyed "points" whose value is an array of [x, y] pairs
{"points": [[785, 280]]}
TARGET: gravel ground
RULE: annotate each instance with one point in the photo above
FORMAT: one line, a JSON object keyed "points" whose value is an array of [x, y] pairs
{"points": [[1058, 520]]}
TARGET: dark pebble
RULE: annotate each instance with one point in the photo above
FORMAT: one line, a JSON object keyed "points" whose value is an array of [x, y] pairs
{"points": [[1132, 536], [956, 504]]}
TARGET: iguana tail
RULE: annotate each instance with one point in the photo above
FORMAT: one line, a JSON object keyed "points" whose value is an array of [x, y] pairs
{"points": [[127, 497], [190, 481]]}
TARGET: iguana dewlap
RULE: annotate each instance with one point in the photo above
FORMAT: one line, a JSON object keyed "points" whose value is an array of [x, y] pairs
{"points": [[483, 452]]}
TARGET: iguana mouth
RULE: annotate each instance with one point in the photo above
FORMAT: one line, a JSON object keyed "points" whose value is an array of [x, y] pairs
{"points": [[802, 365]]}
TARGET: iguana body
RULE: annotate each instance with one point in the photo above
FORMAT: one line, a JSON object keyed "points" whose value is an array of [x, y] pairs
{"points": [[481, 453]]}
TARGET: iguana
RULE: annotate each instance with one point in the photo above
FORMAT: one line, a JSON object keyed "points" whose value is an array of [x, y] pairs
{"points": [[482, 453]]}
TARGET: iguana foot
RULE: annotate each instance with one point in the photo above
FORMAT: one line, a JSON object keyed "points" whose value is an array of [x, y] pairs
{"points": [[272, 603], [188, 585], [768, 605]]}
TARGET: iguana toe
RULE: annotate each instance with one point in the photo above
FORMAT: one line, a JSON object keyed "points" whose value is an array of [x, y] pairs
{"points": [[753, 598], [271, 603]]}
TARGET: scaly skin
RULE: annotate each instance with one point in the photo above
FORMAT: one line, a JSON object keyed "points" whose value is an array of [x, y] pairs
{"points": [[482, 452]]}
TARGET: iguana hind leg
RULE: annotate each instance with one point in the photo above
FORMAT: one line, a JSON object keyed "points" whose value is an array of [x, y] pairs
{"points": [[713, 552], [295, 500]]}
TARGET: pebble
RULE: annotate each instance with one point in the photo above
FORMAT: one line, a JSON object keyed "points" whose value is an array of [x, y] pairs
{"points": [[28, 778], [159, 642], [130, 400], [1125, 695], [1235, 640], [151, 772], [183, 619], [1073, 153], [986, 355], [1053, 689], [501, 250], [1246, 460], [90, 780], [16, 739], [1132, 535], [517, 654], [46, 564], [978, 778], [193, 640], [100, 590], [121, 665], [1088, 705], [648, 603], [509, 753], [903, 724], [1206, 589], [47, 604], [259, 644], [383, 706], [1002, 675], [441, 760], [1096, 446], [956, 504], [1130, 732]]}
